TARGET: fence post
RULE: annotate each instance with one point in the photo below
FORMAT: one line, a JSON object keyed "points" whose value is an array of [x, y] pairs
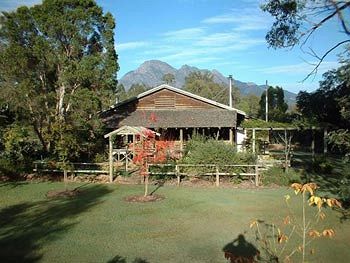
{"points": [[65, 177], [110, 156], [177, 172], [254, 141], [217, 176], [256, 175]]}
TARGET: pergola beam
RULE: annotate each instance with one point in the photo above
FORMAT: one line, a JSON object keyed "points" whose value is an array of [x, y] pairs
{"points": [[110, 139], [285, 129]]}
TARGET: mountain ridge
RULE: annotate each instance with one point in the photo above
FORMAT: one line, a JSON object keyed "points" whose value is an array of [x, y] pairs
{"points": [[151, 72]]}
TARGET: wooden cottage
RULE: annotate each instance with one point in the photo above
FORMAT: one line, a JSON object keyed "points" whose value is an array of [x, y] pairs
{"points": [[176, 114]]}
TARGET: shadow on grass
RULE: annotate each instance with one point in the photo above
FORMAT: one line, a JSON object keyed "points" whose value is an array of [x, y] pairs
{"points": [[332, 176], [240, 250], [159, 184], [119, 259], [27, 227], [13, 184]]}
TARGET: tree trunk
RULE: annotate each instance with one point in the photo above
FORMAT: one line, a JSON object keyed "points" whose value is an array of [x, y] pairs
{"points": [[146, 185], [60, 96], [45, 145]]}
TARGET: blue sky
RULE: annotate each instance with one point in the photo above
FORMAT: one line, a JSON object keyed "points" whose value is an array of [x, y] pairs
{"points": [[215, 34]]}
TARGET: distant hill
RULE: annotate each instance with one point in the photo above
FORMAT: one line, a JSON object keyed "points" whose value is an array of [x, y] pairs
{"points": [[151, 73]]}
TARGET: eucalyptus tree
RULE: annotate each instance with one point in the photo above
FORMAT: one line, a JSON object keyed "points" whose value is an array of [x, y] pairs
{"points": [[297, 21], [58, 67]]}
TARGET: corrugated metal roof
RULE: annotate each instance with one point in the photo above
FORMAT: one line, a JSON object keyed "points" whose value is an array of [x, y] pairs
{"points": [[174, 118]]}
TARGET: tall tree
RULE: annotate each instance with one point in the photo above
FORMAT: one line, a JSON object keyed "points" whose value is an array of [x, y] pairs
{"points": [[168, 78], [202, 84], [121, 94], [250, 104], [330, 104], [136, 89], [58, 67], [297, 20], [277, 107]]}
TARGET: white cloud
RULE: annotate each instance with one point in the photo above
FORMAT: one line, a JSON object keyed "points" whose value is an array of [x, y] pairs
{"points": [[131, 45], [300, 68], [245, 19], [184, 34], [11, 5], [221, 19], [229, 41]]}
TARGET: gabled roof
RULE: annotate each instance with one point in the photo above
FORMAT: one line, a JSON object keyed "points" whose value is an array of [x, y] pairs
{"points": [[130, 130], [180, 91]]}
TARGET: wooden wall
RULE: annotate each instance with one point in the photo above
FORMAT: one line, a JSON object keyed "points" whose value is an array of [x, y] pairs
{"points": [[167, 99]]}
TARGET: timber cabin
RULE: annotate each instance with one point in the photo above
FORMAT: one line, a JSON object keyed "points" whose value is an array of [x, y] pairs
{"points": [[176, 114]]}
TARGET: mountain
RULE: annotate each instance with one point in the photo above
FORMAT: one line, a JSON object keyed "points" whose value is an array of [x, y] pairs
{"points": [[151, 73]]}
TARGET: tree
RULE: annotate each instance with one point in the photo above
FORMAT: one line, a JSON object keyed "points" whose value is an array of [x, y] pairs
{"points": [[136, 89], [58, 68], [277, 107], [202, 84], [330, 103], [250, 104], [168, 78], [121, 94], [297, 20]]}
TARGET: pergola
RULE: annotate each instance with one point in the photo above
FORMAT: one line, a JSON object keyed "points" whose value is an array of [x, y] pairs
{"points": [[124, 131], [285, 129]]}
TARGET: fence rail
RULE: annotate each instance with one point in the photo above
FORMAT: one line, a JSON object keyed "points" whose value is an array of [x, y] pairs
{"points": [[251, 170], [87, 168]]}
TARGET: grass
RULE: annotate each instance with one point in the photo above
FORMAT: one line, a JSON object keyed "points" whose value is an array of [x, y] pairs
{"points": [[190, 225]]}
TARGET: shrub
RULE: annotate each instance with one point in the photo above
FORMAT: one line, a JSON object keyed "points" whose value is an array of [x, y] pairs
{"points": [[7, 168], [201, 150], [276, 175], [20, 149]]}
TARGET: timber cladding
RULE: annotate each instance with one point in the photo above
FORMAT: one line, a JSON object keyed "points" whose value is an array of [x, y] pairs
{"points": [[169, 108], [167, 99]]}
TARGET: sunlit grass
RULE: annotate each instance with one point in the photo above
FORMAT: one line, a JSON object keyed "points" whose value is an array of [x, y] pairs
{"points": [[189, 225]]}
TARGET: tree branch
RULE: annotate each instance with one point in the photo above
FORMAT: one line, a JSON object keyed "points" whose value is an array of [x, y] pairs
{"points": [[338, 10], [314, 71]]}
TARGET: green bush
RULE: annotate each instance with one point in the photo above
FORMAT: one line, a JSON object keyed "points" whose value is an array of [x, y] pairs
{"points": [[7, 168], [321, 165], [201, 150], [276, 175]]}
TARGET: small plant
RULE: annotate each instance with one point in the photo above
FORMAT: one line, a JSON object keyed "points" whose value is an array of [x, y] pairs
{"points": [[276, 175], [148, 150], [299, 230]]}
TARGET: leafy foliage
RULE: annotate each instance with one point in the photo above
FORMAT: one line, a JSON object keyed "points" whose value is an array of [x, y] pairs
{"points": [[284, 32], [258, 123], [202, 150], [206, 151], [330, 104], [250, 105], [168, 78], [58, 68], [203, 85], [276, 175], [277, 107], [296, 21], [136, 89]]}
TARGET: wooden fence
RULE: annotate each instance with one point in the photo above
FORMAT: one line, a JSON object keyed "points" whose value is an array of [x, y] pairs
{"points": [[248, 170], [86, 168]]}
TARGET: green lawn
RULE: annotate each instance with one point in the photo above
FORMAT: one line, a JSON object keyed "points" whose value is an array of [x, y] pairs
{"points": [[190, 225]]}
